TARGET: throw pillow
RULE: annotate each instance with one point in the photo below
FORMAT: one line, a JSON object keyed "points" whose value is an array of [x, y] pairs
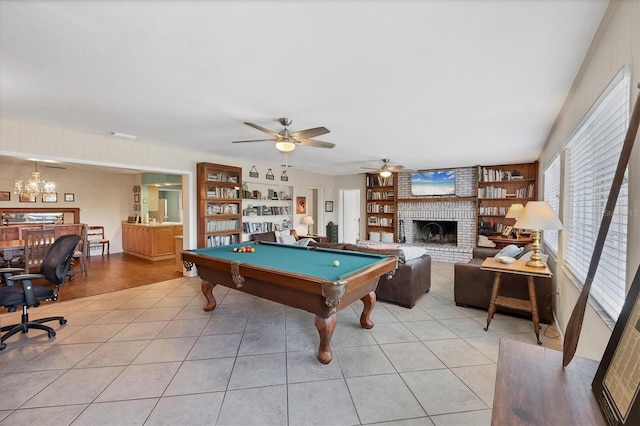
{"points": [[304, 242], [483, 241], [288, 239], [374, 236], [511, 250], [411, 252], [279, 235]]}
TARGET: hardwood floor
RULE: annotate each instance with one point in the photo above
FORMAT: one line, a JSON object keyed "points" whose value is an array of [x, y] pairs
{"points": [[117, 272]]}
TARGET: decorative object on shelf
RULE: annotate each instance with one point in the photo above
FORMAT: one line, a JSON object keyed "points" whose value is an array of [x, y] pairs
{"points": [[514, 213], [269, 175], [69, 197], [537, 216], [284, 176], [301, 205], [328, 206], [253, 172], [5, 195], [286, 141], [51, 198], [308, 220], [35, 186]]}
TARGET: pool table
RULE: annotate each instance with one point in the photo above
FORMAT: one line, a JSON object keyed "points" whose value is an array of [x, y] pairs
{"points": [[302, 277]]}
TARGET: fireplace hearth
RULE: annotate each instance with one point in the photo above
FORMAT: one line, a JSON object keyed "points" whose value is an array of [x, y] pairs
{"points": [[435, 232]]}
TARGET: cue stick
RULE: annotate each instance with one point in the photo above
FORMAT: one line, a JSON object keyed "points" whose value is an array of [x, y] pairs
{"points": [[572, 333]]}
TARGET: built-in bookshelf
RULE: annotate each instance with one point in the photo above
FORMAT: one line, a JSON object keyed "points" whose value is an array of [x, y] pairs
{"points": [[265, 208], [381, 206], [219, 204], [498, 188]]}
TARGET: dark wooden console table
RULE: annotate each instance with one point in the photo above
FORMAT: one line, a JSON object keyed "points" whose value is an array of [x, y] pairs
{"points": [[532, 388]]}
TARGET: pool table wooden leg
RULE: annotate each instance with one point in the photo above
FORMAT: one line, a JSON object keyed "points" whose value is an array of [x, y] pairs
{"points": [[369, 302], [207, 290], [325, 328]]}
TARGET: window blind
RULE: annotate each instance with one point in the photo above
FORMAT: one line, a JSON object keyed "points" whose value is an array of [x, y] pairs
{"points": [[592, 156], [552, 196]]}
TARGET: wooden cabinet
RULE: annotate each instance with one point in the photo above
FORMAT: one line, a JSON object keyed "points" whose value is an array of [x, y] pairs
{"points": [[219, 204], [332, 233], [151, 242], [498, 188], [381, 206], [265, 207]]}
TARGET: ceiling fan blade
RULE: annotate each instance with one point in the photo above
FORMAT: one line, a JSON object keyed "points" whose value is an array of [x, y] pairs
{"points": [[256, 140], [395, 168], [317, 144], [370, 168], [309, 133], [262, 129]]}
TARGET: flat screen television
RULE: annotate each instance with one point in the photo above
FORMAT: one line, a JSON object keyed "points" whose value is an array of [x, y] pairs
{"points": [[433, 184]]}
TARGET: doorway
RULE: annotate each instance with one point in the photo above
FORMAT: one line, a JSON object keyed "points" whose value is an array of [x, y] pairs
{"points": [[349, 213]]}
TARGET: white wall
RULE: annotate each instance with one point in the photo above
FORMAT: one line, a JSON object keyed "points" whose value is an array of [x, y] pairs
{"points": [[20, 138], [617, 43]]}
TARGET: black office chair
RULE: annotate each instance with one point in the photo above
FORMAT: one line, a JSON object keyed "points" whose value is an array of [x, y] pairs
{"points": [[54, 268]]}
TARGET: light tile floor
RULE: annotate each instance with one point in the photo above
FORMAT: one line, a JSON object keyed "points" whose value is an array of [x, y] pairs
{"points": [[150, 355]]}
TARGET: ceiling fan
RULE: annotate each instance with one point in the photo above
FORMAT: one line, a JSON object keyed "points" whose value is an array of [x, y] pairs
{"points": [[386, 169], [286, 141]]}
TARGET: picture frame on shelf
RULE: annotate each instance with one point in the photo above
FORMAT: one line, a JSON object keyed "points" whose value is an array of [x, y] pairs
{"points": [[25, 199], [53, 198], [328, 206], [69, 197], [5, 195], [507, 231]]}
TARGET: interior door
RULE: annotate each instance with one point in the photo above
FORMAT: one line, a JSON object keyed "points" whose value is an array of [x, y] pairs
{"points": [[349, 231]]}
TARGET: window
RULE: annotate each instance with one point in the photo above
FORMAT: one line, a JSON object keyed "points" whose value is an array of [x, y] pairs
{"points": [[592, 156], [552, 196]]}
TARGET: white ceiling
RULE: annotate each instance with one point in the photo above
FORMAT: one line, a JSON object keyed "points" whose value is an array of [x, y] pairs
{"points": [[429, 84]]}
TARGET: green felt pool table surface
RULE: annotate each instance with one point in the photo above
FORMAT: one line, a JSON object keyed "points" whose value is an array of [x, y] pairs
{"points": [[316, 262]]}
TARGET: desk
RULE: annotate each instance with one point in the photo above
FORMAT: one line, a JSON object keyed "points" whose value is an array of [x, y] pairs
{"points": [[502, 242], [532, 388], [517, 267], [300, 277]]}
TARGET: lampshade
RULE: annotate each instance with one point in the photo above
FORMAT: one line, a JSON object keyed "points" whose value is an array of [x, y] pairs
{"points": [[385, 173], [514, 211], [308, 220], [286, 146], [538, 215]]}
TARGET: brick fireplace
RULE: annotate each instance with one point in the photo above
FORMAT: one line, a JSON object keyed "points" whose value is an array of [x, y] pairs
{"points": [[414, 214]]}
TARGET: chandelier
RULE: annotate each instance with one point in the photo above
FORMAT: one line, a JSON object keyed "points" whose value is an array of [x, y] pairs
{"points": [[35, 186]]}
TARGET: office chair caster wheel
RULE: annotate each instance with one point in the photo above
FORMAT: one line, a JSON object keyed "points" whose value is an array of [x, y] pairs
{"points": [[63, 321], [2, 346], [52, 334]]}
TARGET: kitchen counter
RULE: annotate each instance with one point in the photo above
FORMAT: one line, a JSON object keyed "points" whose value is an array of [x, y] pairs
{"points": [[150, 241]]}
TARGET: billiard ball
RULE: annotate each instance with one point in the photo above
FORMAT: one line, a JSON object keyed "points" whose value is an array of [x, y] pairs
{"points": [[336, 263], [235, 249]]}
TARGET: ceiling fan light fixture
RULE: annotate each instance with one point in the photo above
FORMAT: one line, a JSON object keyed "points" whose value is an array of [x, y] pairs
{"points": [[385, 173], [286, 146]]}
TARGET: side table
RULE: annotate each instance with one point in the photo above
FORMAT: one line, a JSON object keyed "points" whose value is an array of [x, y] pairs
{"points": [[517, 267]]}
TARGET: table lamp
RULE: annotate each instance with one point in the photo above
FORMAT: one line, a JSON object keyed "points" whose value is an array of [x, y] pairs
{"points": [[537, 216], [514, 213], [308, 220]]}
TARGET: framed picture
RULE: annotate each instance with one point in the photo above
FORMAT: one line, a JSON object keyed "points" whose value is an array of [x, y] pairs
{"points": [[136, 198], [5, 195], [301, 205], [25, 199], [615, 386], [69, 197], [507, 231], [53, 198], [328, 206]]}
